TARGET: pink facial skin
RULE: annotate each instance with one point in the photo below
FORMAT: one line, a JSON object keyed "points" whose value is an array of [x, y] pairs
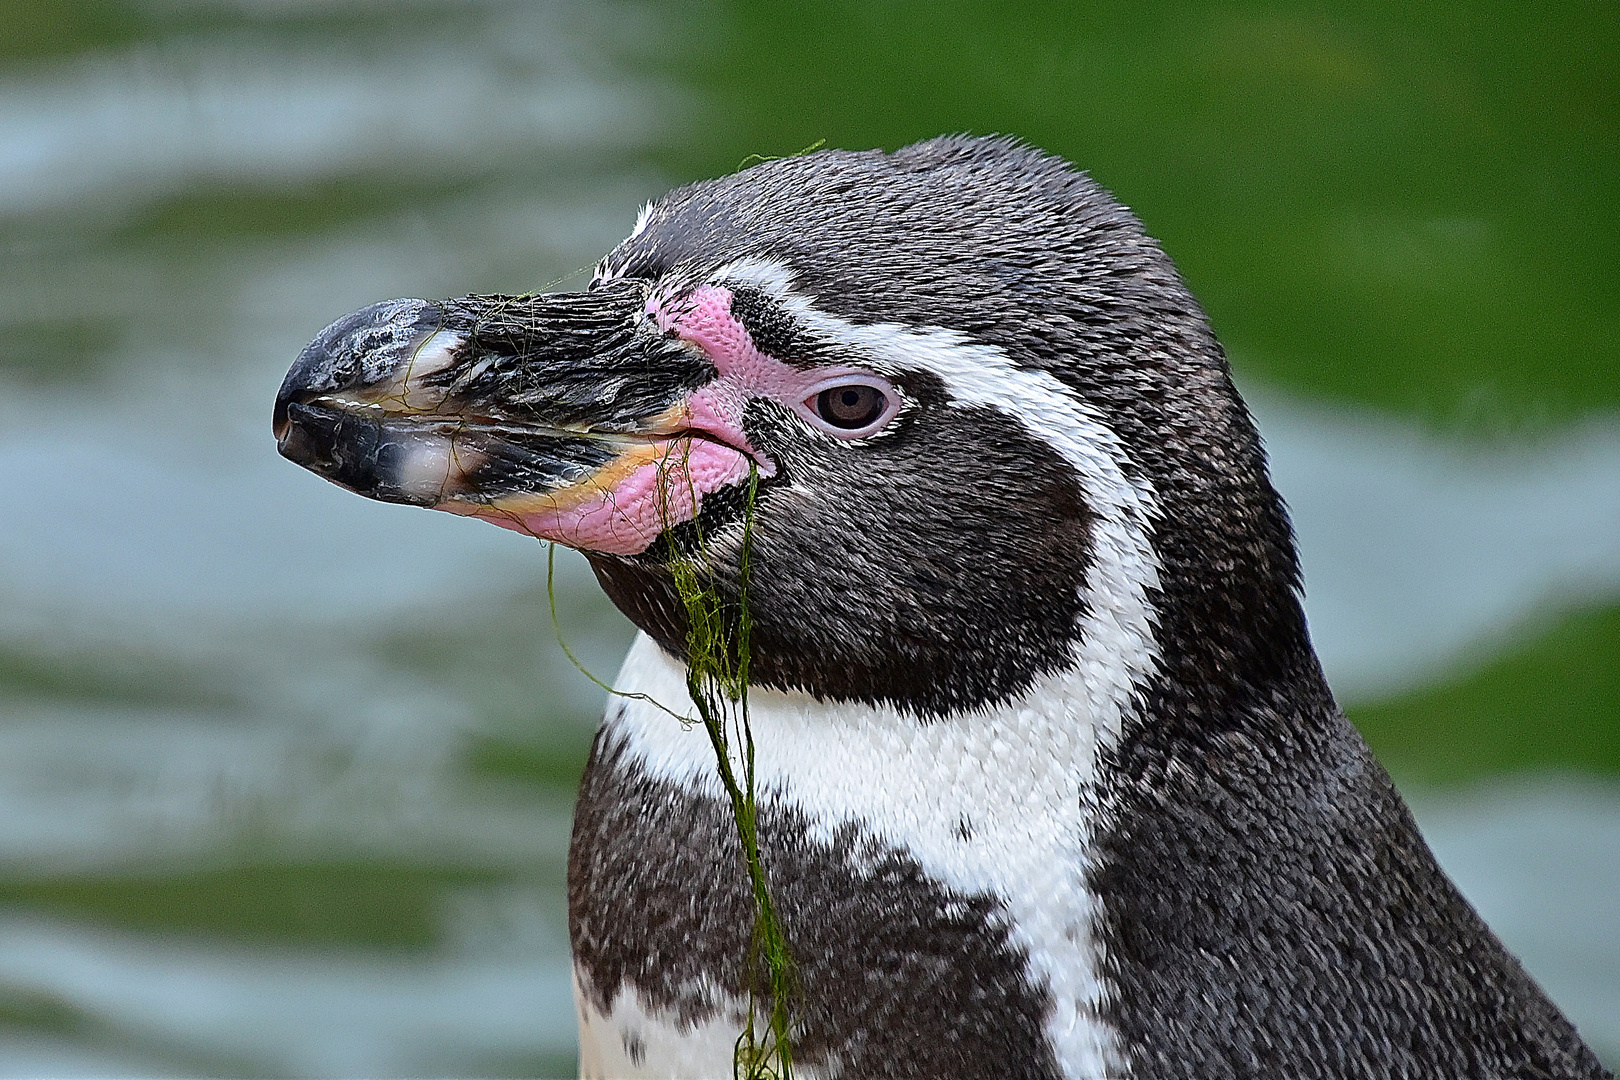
{"points": [[622, 509], [704, 318], [625, 506]]}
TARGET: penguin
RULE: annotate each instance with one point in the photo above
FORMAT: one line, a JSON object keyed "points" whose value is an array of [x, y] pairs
{"points": [[1050, 782]]}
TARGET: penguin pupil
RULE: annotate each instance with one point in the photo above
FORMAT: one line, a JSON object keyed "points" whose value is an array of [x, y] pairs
{"points": [[850, 407]]}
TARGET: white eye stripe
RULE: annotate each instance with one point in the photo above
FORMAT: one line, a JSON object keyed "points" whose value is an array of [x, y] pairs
{"points": [[771, 278], [1125, 566], [1119, 627], [643, 216]]}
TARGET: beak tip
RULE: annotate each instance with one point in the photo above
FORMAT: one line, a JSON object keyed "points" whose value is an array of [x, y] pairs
{"points": [[353, 351]]}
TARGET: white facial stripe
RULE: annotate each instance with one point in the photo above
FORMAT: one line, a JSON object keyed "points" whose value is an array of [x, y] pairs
{"points": [[1117, 642], [643, 216], [766, 275]]}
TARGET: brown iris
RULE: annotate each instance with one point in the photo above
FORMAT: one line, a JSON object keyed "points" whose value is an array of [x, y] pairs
{"points": [[851, 406]]}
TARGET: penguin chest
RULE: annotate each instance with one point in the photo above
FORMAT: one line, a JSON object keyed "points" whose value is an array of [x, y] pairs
{"points": [[938, 916]]}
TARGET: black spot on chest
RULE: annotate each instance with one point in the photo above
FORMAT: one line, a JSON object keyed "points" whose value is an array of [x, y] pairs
{"points": [[899, 976]]}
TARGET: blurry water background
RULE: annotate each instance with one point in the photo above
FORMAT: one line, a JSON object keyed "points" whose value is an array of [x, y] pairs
{"points": [[285, 775]]}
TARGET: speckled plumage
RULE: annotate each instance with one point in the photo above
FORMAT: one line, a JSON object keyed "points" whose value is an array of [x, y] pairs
{"points": [[1262, 903], [1051, 783]]}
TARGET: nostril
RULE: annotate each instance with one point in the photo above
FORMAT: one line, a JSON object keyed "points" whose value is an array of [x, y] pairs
{"points": [[278, 421], [297, 443]]}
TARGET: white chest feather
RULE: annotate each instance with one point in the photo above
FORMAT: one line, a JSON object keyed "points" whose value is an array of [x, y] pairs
{"points": [[632, 1042], [996, 803]]}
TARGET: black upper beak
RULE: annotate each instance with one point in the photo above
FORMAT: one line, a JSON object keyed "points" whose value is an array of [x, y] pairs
{"points": [[325, 421], [363, 348], [475, 399]]}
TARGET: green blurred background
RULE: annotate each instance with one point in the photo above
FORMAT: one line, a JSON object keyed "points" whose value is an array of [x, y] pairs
{"points": [[285, 776]]}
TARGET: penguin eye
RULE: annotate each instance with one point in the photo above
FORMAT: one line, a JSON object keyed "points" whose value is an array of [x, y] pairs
{"points": [[848, 404], [851, 406]]}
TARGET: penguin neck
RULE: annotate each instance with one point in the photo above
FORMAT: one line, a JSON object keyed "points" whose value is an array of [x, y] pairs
{"points": [[1004, 768], [1000, 802]]}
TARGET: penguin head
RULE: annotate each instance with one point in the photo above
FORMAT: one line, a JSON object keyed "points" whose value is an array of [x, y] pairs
{"points": [[969, 419]]}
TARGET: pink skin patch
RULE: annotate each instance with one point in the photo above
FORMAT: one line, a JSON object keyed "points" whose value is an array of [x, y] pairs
{"points": [[704, 318], [624, 507]]}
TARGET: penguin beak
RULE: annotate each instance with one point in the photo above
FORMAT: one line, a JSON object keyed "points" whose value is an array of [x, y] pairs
{"points": [[565, 416]]}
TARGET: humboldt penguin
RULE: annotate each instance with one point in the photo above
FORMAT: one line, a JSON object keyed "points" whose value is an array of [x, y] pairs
{"points": [[1050, 781]]}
